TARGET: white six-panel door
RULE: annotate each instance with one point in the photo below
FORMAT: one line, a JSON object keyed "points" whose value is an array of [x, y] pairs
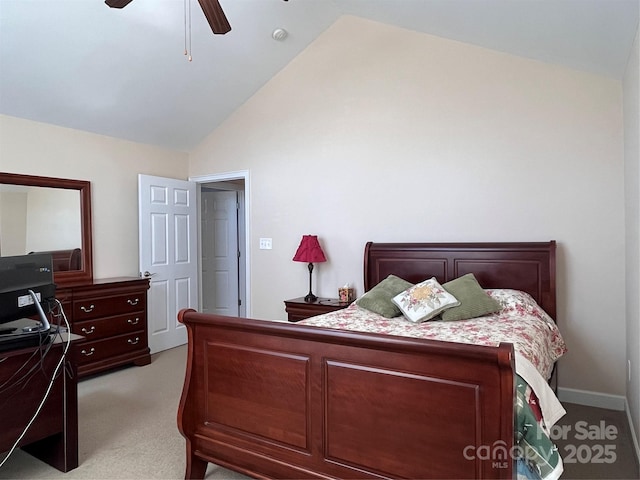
{"points": [[219, 252], [168, 255]]}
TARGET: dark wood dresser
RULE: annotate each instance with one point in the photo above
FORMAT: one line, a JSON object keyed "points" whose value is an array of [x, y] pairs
{"points": [[111, 314]]}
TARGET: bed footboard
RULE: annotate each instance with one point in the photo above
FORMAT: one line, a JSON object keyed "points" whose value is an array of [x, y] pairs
{"points": [[275, 400]]}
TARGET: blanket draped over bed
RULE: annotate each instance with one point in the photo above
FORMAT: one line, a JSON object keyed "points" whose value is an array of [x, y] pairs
{"points": [[275, 400]]}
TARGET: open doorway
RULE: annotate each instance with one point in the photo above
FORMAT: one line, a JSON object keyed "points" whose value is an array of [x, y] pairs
{"points": [[223, 262]]}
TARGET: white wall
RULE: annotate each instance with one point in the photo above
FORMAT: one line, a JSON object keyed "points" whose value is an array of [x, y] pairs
{"points": [[631, 87], [112, 167], [378, 133]]}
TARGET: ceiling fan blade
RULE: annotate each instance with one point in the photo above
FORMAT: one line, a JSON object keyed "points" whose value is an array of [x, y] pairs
{"points": [[117, 3], [215, 16]]}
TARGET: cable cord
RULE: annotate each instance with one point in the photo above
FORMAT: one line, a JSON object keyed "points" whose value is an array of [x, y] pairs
{"points": [[53, 379], [42, 351]]}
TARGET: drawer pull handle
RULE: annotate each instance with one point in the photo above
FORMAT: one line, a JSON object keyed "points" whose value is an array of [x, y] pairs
{"points": [[133, 342], [133, 322], [89, 309], [133, 302], [91, 330], [89, 353]]}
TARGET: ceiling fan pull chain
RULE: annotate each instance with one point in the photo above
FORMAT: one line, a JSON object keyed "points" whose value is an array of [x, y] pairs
{"points": [[187, 29], [184, 24]]}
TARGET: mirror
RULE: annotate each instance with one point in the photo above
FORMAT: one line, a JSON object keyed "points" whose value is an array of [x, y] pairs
{"points": [[45, 214]]}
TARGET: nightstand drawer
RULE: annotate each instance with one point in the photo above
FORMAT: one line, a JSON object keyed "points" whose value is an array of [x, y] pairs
{"points": [[298, 309]]}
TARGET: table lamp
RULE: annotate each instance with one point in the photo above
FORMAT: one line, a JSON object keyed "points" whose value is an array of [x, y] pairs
{"points": [[309, 251]]}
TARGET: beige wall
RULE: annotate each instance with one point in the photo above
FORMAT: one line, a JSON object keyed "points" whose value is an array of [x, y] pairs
{"points": [[631, 86], [112, 167], [47, 209], [378, 133], [13, 218]]}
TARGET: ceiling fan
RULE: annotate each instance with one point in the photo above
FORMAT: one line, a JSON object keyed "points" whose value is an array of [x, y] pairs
{"points": [[211, 8]]}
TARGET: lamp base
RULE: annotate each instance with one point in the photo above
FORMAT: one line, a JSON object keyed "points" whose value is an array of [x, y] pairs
{"points": [[310, 298]]}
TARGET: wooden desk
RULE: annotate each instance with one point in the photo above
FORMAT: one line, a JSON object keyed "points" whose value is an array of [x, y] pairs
{"points": [[53, 436]]}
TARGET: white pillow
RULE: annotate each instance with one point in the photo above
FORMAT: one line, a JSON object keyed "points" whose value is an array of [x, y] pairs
{"points": [[424, 301]]}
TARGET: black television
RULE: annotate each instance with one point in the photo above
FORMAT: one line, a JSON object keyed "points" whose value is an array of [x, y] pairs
{"points": [[26, 283]]}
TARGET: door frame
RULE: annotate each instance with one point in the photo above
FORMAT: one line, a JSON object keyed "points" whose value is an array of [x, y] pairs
{"points": [[244, 217]]}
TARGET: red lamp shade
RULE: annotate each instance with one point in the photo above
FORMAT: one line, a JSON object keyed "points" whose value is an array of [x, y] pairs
{"points": [[309, 250]]}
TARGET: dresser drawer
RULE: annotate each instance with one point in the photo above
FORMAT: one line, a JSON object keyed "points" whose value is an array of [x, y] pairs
{"points": [[94, 351], [98, 328], [98, 307]]}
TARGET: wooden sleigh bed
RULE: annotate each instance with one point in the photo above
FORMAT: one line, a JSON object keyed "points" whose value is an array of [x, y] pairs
{"points": [[277, 400]]}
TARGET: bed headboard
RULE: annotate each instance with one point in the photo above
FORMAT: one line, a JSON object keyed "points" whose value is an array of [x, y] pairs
{"points": [[526, 266]]}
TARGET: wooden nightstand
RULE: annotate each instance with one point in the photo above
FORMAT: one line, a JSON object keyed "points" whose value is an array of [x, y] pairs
{"points": [[298, 309]]}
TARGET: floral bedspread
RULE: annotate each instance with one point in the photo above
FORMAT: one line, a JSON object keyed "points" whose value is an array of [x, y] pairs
{"points": [[521, 321], [535, 337]]}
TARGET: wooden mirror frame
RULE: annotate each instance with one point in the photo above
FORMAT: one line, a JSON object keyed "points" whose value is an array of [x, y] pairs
{"points": [[71, 277]]}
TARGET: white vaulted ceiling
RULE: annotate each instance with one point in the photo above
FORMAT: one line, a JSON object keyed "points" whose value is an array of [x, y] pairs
{"points": [[123, 73]]}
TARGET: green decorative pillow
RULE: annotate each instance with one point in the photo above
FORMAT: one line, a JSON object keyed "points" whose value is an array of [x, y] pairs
{"points": [[378, 299], [474, 301]]}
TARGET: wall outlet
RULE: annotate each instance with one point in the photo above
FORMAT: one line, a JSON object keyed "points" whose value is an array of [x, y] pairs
{"points": [[265, 244]]}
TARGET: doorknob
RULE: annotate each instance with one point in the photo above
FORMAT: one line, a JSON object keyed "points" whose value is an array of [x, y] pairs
{"points": [[147, 274]]}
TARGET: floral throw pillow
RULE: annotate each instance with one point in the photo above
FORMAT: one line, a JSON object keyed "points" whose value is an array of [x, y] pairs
{"points": [[424, 301]]}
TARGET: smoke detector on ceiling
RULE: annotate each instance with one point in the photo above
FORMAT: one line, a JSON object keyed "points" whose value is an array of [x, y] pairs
{"points": [[279, 34]]}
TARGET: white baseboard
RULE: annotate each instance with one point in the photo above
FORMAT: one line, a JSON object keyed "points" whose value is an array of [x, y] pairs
{"points": [[601, 400], [633, 432], [592, 399]]}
